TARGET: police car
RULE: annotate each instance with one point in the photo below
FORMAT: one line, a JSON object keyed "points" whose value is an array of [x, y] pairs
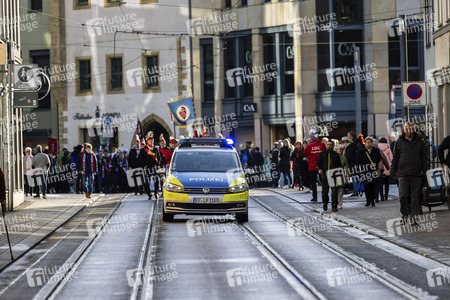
{"points": [[205, 176]]}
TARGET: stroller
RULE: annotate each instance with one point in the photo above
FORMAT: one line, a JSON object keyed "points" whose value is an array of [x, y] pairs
{"points": [[437, 191]]}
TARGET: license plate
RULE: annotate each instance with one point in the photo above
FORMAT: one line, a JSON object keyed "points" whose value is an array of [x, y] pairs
{"points": [[206, 200]]}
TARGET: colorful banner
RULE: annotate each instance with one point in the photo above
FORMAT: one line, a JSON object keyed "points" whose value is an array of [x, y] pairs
{"points": [[183, 111]]}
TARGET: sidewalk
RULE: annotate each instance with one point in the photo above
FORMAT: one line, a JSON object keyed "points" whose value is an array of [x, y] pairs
{"points": [[430, 239], [34, 219]]}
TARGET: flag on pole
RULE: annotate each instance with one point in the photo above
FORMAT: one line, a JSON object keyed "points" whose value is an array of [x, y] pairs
{"points": [[183, 111], [139, 129]]}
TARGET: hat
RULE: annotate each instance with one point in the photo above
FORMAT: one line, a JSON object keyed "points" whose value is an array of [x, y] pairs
{"points": [[172, 140], [125, 150], [369, 138], [137, 139], [161, 138], [119, 150], [105, 149], [313, 134], [150, 135], [344, 139]]}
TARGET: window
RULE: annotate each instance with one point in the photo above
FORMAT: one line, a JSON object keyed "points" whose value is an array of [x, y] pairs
{"points": [[114, 74], [84, 80], [415, 68], [111, 3], [335, 48], [208, 71], [278, 56], [81, 4], [36, 5], [42, 59], [244, 3], [151, 74], [227, 3]]}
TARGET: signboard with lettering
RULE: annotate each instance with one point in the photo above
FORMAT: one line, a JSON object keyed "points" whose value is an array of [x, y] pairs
{"points": [[251, 107], [414, 93], [25, 99]]}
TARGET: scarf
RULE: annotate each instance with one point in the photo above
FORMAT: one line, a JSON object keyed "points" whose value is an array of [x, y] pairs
{"points": [[83, 160]]}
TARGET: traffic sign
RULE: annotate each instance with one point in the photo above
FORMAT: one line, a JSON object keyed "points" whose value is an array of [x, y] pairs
{"points": [[25, 99], [414, 93], [25, 77]]}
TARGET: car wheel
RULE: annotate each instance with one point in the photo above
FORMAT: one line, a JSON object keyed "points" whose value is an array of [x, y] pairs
{"points": [[242, 218], [167, 217]]}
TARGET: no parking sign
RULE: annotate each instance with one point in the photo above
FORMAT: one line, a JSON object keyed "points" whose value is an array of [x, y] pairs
{"points": [[414, 93]]}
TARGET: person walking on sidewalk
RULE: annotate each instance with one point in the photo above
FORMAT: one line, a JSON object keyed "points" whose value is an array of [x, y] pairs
{"points": [[297, 159], [368, 160], [327, 161], [312, 151], [344, 164], [259, 162], [285, 164], [40, 165], [274, 158], [410, 165], [382, 166], [351, 154], [88, 168], [27, 169], [386, 150]]}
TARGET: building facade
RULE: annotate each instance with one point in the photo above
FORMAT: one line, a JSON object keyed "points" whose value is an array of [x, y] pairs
{"points": [[441, 75], [11, 125], [37, 48], [127, 64], [282, 68]]}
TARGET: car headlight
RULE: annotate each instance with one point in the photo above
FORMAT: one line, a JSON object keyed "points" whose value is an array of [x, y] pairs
{"points": [[174, 188], [238, 188]]}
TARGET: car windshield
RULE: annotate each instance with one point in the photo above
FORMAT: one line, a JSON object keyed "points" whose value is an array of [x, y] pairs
{"points": [[205, 161]]}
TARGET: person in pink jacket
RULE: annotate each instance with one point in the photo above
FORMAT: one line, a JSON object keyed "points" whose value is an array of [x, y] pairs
{"points": [[386, 150]]}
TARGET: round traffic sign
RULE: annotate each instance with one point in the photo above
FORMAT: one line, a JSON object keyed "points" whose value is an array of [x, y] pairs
{"points": [[414, 91]]}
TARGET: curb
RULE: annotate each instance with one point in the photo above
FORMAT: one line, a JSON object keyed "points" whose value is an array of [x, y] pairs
{"points": [[435, 255], [39, 235]]}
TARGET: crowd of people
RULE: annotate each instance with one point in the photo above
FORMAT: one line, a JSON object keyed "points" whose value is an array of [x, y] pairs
{"points": [[84, 172], [369, 165]]}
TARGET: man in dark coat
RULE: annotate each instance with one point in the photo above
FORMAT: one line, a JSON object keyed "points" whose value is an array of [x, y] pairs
{"points": [[326, 162], [134, 162], [445, 145], [259, 162], [351, 154], [148, 156], [410, 164], [368, 160], [274, 158]]}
